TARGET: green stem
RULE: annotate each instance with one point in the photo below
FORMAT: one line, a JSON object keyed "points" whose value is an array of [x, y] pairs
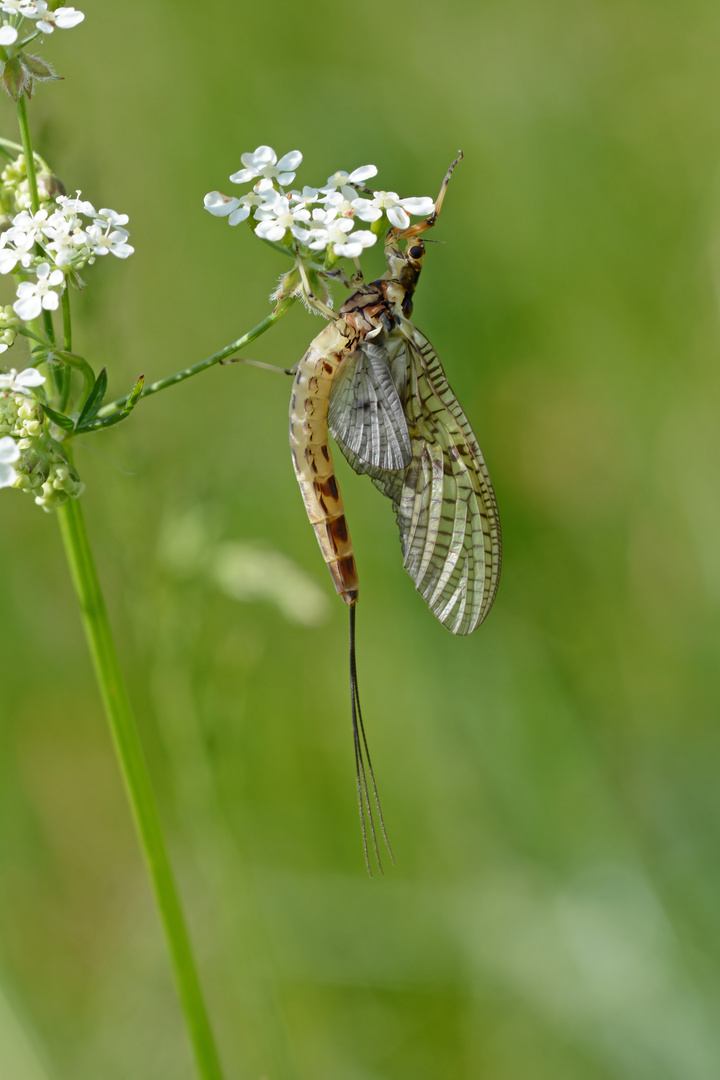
{"points": [[137, 783], [28, 151], [180, 376], [24, 125], [67, 320]]}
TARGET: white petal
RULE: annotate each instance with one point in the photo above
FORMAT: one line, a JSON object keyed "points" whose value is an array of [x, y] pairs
{"points": [[8, 260], [421, 207], [269, 230], [365, 237], [363, 173], [8, 476], [8, 35], [44, 26], [350, 250], [259, 159], [27, 308], [30, 377], [8, 450], [220, 205], [398, 217], [243, 175], [239, 215], [290, 161], [365, 210], [65, 17], [285, 178], [50, 301], [122, 251]]}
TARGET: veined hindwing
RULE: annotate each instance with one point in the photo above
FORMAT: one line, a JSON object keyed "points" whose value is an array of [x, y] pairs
{"points": [[442, 496]]}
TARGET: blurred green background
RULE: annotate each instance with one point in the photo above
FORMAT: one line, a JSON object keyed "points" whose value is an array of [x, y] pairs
{"points": [[550, 784]]}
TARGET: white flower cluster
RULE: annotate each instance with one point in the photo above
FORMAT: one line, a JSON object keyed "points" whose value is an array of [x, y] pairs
{"points": [[30, 459], [329, 226], [66, 241], [39, 12]]}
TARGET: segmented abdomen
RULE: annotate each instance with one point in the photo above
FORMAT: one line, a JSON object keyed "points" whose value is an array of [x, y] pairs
{"points": [[312, 458]]}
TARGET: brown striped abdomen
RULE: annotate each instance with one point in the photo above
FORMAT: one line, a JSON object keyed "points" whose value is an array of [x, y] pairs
{"points": [[312, 458]]}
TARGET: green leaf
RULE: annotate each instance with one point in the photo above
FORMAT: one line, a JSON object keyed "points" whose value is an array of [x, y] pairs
{"points": [[16, 79], [58, 418], [94, 400], [128, 407]]}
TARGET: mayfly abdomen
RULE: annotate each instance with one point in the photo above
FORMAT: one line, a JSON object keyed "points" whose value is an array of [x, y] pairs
{"points": [[312, 458]]}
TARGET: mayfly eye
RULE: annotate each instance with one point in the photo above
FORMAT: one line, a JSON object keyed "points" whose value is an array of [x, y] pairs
{"points": [[416, 251]]}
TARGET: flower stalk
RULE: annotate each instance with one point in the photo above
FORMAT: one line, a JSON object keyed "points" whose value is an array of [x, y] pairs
{"points": [[137, 782]]}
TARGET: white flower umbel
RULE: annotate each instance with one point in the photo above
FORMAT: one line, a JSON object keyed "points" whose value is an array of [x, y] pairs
{"points": [[276, 218], [263, 162], [396, 209], [9, 453], [14, 382], [33, 296]]}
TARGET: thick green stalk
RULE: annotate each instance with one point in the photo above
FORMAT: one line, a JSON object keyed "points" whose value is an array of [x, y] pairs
{"points": [[137, 783]]}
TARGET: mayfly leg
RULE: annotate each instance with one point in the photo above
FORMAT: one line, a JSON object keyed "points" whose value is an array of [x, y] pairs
{"points": [[260, 364], [423, 226], [361, 758]]}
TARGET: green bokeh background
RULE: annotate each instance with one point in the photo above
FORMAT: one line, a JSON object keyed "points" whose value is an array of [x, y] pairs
{"points": [[551, 783]]}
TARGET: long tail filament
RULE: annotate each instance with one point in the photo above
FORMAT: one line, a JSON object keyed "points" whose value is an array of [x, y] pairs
{"points": [[363, 766]]}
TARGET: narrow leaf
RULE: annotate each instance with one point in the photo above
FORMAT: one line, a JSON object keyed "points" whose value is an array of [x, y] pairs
{"points": [[58, 418], [109, 421], [95, 399]]}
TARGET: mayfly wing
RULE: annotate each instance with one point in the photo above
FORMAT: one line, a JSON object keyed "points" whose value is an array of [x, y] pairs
{"points": [[448, 517], [366, 415], [443, 500]]}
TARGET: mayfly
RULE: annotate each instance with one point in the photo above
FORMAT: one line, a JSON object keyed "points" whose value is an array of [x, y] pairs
{"points": [[375, 382]]}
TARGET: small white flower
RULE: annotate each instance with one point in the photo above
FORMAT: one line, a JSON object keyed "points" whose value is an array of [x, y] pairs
{"points": [[32, 297], [336, 232], [111, 217], [397, 209], [307, 195], [101, 242], [76, 205], [25, 8], [8, 454], [8, 35], [277, 217], [340, 178], [341, 201], [65, 237], [14, 383], [264, 162], [238, 209], [63, 17]]}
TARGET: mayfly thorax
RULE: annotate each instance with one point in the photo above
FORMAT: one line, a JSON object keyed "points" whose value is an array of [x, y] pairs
{"points": [[374, 381]]}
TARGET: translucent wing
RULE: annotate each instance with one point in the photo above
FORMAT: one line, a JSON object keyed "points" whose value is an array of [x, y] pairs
{"points": [[365, 414], [444, 501]]}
